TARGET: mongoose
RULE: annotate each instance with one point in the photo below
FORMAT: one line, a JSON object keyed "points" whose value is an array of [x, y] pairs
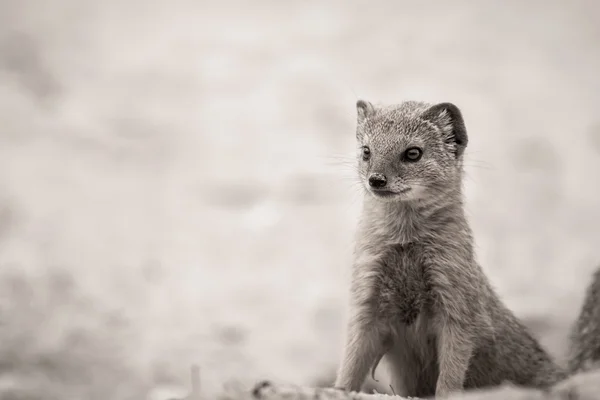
{"points": [[418, 295], [585, 334]]}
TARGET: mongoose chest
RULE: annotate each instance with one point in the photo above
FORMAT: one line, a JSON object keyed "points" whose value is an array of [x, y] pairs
{"points": [[400, 291]]}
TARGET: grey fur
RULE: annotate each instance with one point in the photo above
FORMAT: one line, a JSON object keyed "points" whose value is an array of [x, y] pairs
{"points": [[415, 278], [585, 335]]}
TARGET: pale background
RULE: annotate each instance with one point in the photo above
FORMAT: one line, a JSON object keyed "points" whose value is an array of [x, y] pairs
{"points": [[177, 187]]}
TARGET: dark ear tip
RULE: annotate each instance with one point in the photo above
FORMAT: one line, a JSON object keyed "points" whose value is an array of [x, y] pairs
{"points": [[360, 103], [449, 106], [364, 109]]}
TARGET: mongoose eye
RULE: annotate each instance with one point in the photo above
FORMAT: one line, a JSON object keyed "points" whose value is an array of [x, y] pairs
{"points": [[413, 154], [366, 153]]}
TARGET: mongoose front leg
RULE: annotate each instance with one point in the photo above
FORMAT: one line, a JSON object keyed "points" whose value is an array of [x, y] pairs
{"points": [[386, 345], [455, 348], [363, 346]]}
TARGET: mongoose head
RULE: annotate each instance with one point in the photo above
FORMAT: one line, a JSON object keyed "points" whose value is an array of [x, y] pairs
{"points": [[410, 152]]}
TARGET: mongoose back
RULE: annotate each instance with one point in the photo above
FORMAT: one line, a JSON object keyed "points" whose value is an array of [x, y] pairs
{"points": [[418, 295], [585, 334]]}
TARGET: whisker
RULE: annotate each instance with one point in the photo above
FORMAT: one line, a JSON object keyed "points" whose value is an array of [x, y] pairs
{"points": [[342, 155], [470, 161], [478, 166], [339, 160]]}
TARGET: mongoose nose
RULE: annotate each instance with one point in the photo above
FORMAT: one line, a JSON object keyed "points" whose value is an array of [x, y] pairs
{"points": [[377, 180]]}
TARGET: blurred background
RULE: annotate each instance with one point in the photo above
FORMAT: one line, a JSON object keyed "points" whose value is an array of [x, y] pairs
{"points": [[177, 177]]}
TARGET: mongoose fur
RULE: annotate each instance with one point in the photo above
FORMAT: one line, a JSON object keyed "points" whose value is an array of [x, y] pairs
{"points": [[418, 295]]}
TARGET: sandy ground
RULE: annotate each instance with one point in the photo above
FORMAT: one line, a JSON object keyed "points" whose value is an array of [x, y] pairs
{"points": [[176, 178]]}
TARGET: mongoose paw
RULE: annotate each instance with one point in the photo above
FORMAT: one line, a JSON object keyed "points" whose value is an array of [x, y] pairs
{"points": [[387, 345]]}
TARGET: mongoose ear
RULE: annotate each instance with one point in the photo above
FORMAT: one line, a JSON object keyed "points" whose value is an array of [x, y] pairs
{"points": [[449, 119], [364, 109]]}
